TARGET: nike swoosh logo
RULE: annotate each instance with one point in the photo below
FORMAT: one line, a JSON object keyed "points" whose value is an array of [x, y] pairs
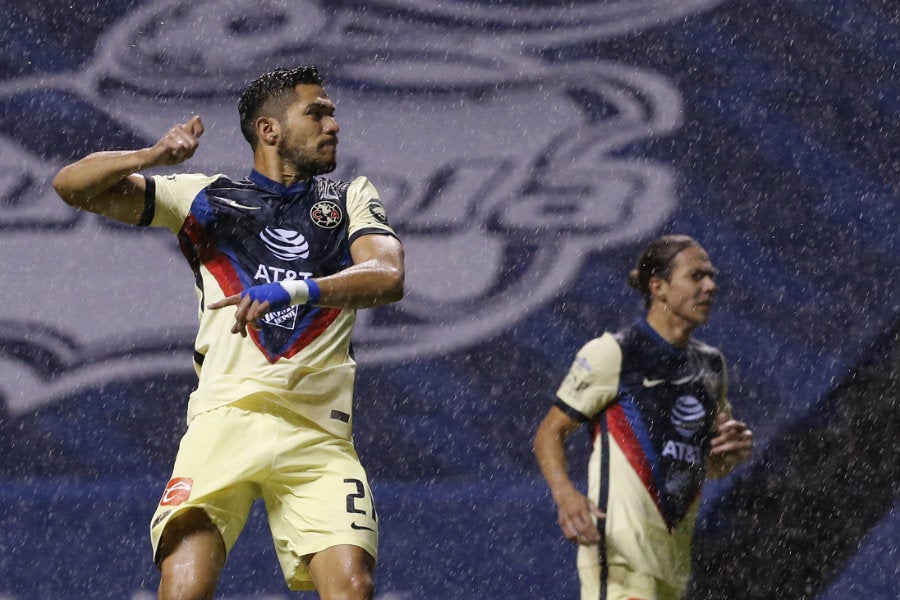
{"points": [[688, 379], [236, 205], [353, 525], [653, 382]]}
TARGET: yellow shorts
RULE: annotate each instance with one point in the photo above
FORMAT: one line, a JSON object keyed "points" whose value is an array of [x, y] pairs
{"points": [[315, 489], [621, 583]]}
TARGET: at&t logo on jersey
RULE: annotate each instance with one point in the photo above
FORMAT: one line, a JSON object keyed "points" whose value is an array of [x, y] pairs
{"points": [[288, 245], [285, 243], [687, 418]]}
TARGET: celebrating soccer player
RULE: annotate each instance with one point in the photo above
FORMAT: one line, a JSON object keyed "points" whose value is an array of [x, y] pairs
{"points": [[281, 261]]}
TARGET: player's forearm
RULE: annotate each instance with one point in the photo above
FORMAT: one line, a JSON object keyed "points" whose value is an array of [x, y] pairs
{"points": [[364, 285], [97, 174], [550, 452]]}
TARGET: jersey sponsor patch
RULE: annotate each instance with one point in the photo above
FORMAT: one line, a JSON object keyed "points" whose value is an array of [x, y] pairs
{"points": [[285, 318], [376, 209], [177, 491]]}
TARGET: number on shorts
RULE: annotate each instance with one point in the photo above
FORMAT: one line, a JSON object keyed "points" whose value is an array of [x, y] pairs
{"points": [[359, 494]]}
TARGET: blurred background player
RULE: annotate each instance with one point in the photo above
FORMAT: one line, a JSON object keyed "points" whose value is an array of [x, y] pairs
{"points": [[661, 423], [271, 417]]}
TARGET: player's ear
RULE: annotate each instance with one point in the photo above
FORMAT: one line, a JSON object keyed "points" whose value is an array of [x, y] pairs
{"points": [[268, 129], [657, 286]]}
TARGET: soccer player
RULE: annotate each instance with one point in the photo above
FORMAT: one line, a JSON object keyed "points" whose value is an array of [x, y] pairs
{"points": [[655, 399], [296, 254]]}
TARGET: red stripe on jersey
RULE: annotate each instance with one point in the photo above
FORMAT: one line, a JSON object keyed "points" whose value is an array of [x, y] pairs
{"points": [[215, 262], [624, 436]]}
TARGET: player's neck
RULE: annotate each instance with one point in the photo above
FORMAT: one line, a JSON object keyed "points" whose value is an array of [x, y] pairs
{"points": [[275, 169], [672, 328]]}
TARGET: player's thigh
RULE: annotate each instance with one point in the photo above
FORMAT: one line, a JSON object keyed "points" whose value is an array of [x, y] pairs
{"points": [[318, 497], [192, 532], [192, 555], [220, 459]]}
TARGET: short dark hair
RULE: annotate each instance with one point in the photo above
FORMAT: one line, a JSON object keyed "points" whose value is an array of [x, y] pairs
{"points": [[268, 92], [656, 261]]}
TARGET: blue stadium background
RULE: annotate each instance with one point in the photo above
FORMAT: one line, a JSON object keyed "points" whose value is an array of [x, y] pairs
{"points": [[788, 171]]}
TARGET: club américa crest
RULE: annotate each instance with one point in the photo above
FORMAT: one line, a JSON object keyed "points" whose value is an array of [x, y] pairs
{"points": [[326, 214]]}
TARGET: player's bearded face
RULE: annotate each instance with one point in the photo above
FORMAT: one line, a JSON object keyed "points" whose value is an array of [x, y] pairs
{"points": [[308, 143], [311, 158]]}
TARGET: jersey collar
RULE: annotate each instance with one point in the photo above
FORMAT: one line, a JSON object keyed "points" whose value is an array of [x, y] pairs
{"points": [[298, 189], [662, 343]]}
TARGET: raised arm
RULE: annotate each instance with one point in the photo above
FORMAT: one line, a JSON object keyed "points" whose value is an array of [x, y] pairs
{"points": [[574, 509], [107, 183], [375, 278]]}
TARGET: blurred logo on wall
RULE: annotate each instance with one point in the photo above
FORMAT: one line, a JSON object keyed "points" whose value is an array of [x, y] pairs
{"points": [[500, 163]]}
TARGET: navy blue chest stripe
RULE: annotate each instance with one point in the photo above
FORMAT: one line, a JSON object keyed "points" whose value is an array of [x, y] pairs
{"points": [[670, 412], [247, 234]]}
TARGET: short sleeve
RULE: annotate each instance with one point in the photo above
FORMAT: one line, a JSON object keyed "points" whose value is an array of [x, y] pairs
{"points": [[174, 195], [366, 212], [593, 379]]}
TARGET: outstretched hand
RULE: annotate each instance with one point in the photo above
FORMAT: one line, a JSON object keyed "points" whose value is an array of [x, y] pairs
{"points": [[253, 303], [249, 310], [178, 144]]}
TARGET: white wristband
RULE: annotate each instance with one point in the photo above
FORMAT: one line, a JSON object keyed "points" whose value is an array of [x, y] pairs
{"points": [[297, 289]]}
